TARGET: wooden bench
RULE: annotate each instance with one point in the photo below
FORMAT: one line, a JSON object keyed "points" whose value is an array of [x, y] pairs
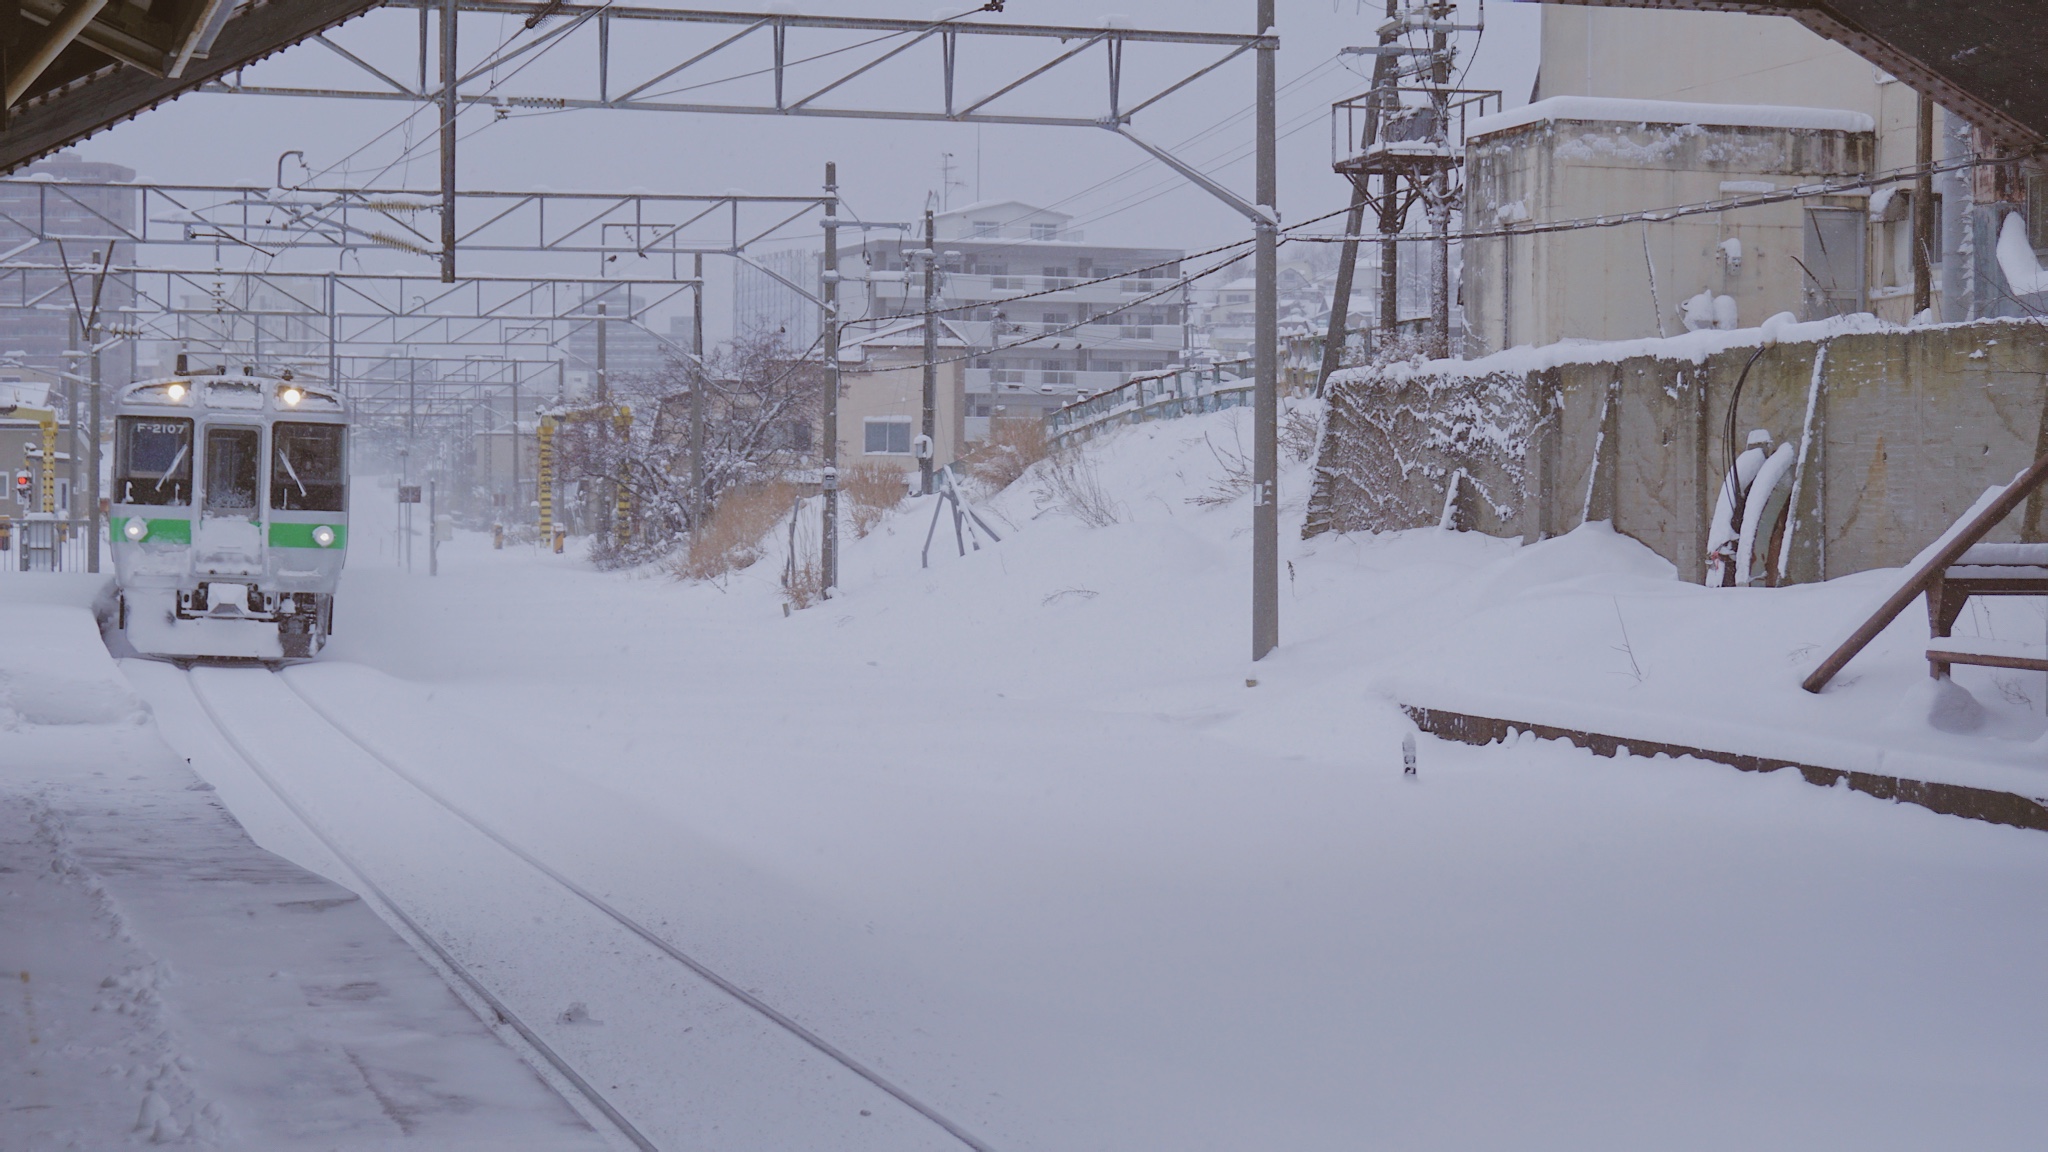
{"points": [[1984, 570]]}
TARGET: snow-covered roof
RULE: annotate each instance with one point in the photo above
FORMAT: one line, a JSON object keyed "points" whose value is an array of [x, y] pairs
{"points": [[984, 207], [909, 333], [1611, 109]]}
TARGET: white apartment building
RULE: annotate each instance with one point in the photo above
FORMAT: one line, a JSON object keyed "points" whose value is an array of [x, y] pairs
{"points": [[1019, 282]]}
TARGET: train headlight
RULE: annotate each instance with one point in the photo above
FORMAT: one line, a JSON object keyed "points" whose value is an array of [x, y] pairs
{"points": [[135, 529], [291, 397], [175, 391], [323, 536]]}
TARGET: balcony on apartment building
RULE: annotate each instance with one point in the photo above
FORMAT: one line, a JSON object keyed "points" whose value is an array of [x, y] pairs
{"points": [[960, 286]]}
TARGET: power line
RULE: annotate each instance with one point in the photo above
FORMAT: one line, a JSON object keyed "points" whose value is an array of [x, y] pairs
{"points": [[1660, 215]]}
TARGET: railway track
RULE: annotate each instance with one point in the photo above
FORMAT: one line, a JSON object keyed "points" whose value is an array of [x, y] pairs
{"points": [[629, 970]]}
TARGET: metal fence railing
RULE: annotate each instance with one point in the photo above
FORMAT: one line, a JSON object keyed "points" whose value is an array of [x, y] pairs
{"points": [[39, 544], [1149, 396]]}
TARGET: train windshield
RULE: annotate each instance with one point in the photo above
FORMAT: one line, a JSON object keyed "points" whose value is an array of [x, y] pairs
{"points": [[153, 461], [232, 457], [306, 473]]}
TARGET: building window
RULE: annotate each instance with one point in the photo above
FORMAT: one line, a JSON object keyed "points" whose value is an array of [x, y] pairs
{"points": [[1056, 317], [1045, 231], [984, 227], [887, 435]]}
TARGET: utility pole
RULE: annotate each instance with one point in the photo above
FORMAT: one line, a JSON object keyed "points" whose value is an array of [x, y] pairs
{"points": [[603, 384], [1340, 298], [1266, 407], [92, 327], [71, 367], [700, 380], [433, 530], [448, 80], [931, 356], [828, 538], [92, 451], [412, 387], [1439, 196], [1393, 214], [1923, 210], [515, 513]]}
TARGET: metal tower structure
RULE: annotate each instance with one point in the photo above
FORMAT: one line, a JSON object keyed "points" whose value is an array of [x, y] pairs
{"points": [[1400, 143]]}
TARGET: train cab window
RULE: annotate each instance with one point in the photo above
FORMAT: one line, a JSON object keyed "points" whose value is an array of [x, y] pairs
{"points": [[153, 461], [232, 456], [306, 467]]}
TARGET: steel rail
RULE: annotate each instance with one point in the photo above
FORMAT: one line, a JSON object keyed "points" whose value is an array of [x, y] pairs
{"points": [[376, 892], [843, 1058]]}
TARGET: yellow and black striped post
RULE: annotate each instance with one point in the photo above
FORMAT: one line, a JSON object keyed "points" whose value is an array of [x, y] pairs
{"points": [[49, 423], [545, 480], [622, 423]]}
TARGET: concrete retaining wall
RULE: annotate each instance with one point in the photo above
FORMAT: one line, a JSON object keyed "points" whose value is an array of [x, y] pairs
{"points": [[1906, 428]]}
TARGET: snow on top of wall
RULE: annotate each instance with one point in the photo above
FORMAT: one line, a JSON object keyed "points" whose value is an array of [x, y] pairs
{"points": [[2023, 272], [1607, 108], [1783, 328]]}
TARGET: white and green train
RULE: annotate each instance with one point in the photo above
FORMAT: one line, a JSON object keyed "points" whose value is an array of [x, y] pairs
{"points": [[228, 515]]}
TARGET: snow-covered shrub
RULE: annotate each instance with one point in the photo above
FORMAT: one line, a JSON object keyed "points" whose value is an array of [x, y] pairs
{"points": [[1070, 482], [1014, 444], [869, 492], [739, 531], [761, 404]]}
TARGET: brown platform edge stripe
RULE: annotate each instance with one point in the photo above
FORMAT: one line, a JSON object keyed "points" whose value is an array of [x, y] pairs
{"points": [[1985, 804]]}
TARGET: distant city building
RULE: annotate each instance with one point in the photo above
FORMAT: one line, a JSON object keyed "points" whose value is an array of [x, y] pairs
{"points": [[1009, 272], [36, 307], [629, 350], [762, 303]]}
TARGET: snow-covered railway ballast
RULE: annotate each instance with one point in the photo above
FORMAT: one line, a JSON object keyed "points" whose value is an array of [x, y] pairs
{"points": [[228, 516]]}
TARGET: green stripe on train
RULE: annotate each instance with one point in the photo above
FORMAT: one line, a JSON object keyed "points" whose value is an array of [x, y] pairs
{"points": [[160, 531], [301, 535]]}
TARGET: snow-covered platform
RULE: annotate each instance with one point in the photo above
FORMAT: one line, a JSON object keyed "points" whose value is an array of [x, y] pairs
{"points": [[1588, 638], [169, 981]]}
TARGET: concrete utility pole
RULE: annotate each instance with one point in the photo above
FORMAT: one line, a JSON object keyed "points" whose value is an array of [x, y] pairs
{"points": [[1923, 210], [828, 538], [71, 385], [931, 356], [1386, 78], [1266, 408], [603, 384], [1439, 199], [698, 383], [92, 451], [449, 77], [1340, 299], [515, 513]]}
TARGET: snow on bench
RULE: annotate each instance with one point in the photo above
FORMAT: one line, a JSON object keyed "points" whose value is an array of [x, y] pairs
{"points": [[1985, 570]]}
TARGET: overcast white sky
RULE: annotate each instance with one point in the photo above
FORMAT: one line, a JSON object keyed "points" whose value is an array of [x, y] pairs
{"points": [[886, 168]]}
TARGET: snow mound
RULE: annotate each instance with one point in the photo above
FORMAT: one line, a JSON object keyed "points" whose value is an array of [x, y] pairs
{"points": [[54, 670]]}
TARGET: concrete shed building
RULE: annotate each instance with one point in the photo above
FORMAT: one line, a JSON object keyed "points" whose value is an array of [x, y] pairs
{"points": [[1575, 157], [881, 396]]}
